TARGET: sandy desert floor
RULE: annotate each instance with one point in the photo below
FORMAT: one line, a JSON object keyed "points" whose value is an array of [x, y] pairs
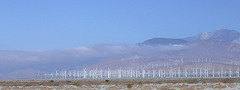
{"points": [[122, 84]]}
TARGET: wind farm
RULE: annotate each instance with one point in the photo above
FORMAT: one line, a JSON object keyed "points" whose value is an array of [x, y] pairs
{"points": [[119, 45]]}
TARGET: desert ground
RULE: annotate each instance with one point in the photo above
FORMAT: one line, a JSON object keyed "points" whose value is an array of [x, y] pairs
{"points": [[122, 84]]}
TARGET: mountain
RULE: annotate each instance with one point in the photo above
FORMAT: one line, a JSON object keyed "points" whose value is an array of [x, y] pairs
{"points": [[163, 41], [224, 35], [218, 45]]}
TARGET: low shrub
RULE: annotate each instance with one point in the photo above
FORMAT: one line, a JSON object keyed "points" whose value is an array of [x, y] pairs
{"points": [[106, 80], [129, 86], [76, 84]]}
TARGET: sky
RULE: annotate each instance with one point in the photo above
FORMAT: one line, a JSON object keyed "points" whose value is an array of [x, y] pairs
{"points": [[61, 24]]}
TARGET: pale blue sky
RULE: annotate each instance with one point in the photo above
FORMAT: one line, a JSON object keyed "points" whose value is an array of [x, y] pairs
{"points": [[60, 24]]}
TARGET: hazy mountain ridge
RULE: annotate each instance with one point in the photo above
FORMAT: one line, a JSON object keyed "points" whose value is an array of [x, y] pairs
{"points": [[224, 35], [163, 41], [218, 44]]}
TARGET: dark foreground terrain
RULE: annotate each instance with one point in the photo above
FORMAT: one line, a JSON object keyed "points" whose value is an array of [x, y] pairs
{"points": [[93, 84]]}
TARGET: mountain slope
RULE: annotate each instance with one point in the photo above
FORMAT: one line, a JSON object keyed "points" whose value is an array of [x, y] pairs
{"points": [[216, 45], [163, 41], [224, 35]]}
